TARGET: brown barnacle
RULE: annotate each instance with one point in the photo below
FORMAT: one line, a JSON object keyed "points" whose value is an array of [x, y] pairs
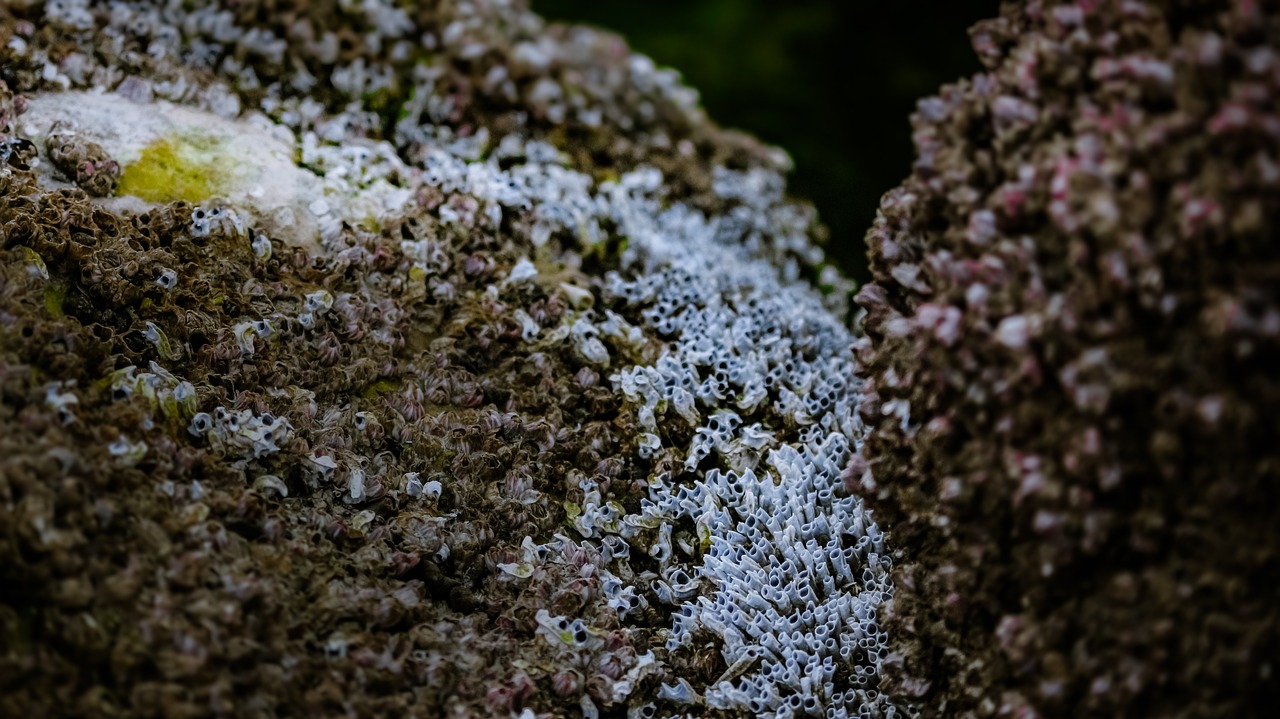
{"points": [[329, 349], [567, 682], [408, 402], [16, 152], [587, 377], [11, 106], [469, 394], [361, 371], [477, 265], [403, 432], [572, 597], [82, 160], [331, 526], [274, 373], [375, 486]]}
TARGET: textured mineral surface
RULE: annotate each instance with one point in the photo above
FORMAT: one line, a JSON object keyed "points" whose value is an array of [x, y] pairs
{"points": [[1072, 363], [411, 359]]}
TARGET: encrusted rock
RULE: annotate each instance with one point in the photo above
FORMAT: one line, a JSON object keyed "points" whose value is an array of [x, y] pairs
{"points": [[1071, 369], [447, 363]]}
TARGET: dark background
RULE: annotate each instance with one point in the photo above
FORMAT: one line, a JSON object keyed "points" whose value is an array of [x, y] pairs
{"points": [[785, 70]]}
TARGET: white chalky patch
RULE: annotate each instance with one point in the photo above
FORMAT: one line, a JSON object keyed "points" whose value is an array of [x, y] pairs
{"points": [[263, 182]]}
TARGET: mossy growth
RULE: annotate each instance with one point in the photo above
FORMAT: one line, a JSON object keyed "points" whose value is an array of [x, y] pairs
{"points": [[379, 388], [55, 296], [191, 167]]}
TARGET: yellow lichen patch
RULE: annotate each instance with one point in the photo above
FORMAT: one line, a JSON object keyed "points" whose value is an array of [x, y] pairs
{"points": [[191, 167], [55, 294], [379, 388]]}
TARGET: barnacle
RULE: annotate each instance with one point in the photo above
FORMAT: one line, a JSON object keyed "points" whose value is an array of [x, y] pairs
{"points": [[157, 337], [82, 160], [35, 262], [201, 422], [128, 452], [60, 401], [245, 332], [271, 483], [262, 247], [319, 302], [167, 279]]}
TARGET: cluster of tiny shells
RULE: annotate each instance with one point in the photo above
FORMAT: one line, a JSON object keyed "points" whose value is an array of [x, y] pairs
{"points": [[406, 471], [1070, 361], [82, 160]]}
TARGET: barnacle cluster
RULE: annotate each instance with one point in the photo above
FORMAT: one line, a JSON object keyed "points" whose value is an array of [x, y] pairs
{"points": [[1071, 388], [82, 160], [521, 402], [750, 417]]}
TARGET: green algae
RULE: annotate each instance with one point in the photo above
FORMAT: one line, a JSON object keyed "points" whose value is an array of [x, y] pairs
{"points": [[380, 388], [191, 167], [55, 295]]}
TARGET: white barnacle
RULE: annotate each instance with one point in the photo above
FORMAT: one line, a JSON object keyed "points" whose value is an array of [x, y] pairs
{"points": [[319, 302], [518, 570], [650, 444], [157, 337], [35, 263], [270, 483], [184, 393], [321, 463], [748, 657], [167, 279], [524, 270], [60, 402], [128, 453], [264, 329], [261, 247], [355, 484], [682, 401], [245, 333], [556, 629], [413, 484], [661, 549], [200, 222], [681, 693], [200, 424], [594, 351], [529, 328], [579, 298], [123, 383]]}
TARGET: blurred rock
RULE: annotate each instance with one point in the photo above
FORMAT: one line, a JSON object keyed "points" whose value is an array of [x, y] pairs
{"points": [[1071, 382]]}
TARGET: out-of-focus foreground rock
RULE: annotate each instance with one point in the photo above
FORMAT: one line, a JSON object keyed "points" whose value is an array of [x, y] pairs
{"points": [[1072, 369]]}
